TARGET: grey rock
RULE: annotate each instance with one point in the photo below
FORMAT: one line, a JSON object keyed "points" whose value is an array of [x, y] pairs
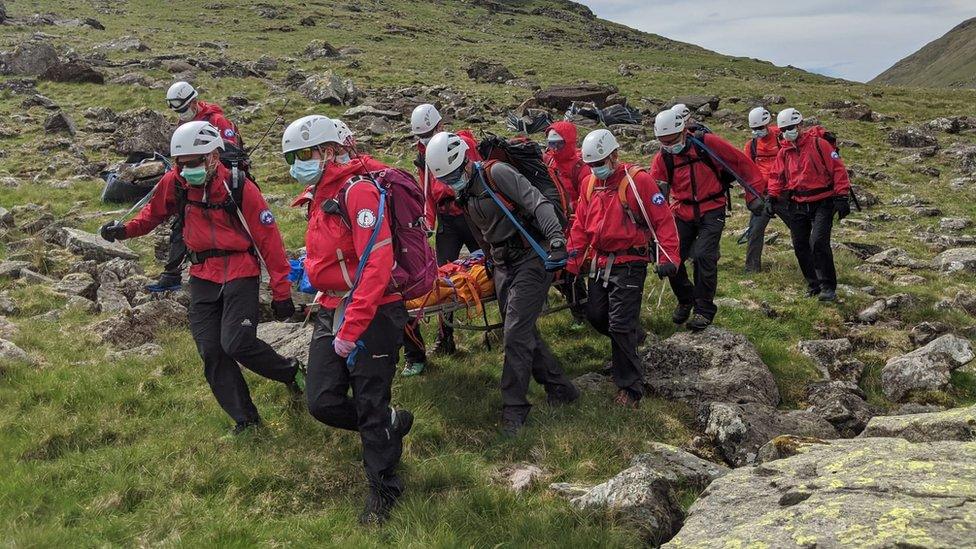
{"points": [[8, 330], [870, 492], [142, 324], [12, 268], [925, 332], [330, 88], [842, 404], [32, 277], [6, 218], [146, 350], [592, 382], [873, 312], [521, 477], [78, 284], [81, 304], [711, 365], [739, 430], [956, 259], [695, 102], [489, 72], [110, 299], [926, 368], [10, 352], [561, 97], [123, 44], [92, 246], [60, 122], [955, 223], [640, 497], [73, 71], [911, 138], [8, 306], [956, 424], [142, 131], [290, 339], [830, 357], [569, 490], [30, 58], [364, 110], [319, 49], [678, 466], [895, 257]]}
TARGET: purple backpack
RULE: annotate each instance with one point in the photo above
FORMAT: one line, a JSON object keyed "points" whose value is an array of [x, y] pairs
{"points": [[414, 262]]}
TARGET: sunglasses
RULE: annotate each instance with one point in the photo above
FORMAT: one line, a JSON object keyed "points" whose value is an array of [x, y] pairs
{"points": [[556, 145], [789, 128], [300, 154], [178, 105], [191, 162], [598, 163]]}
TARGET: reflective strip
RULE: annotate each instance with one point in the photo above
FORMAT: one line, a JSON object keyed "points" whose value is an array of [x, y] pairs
{"points": [[342, 267]]}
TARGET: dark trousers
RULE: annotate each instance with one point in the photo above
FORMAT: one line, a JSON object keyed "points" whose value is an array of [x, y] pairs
{"points": [[521, 289], [173, 270], [700, 240], [452, 233], [614, 310], [573, 288], [757, 238], [810, 225], [367, 411], [224, 323]]}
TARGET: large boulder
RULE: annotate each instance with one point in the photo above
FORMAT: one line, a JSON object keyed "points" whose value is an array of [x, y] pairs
{"points": [[142, 131], [871, 492], [489, 72], [957, 424], [842, 404], [739, 430], [290, 339], [712, 365], [10, 352], [925, 369], [92, 246], [639, 497], [678, 466], [330, 88], [830, 356], [73, 71], [30, 58], [956, 259], [142, 324], [561, 97], [79, 284], [911, 138]]}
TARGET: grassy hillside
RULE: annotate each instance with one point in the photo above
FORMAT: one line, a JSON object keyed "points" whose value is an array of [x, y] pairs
{"points": [[99, 451], [948, 62]]}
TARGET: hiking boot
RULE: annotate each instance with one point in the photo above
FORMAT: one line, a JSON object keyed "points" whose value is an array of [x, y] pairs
{"points": [[813, 292], [828, 294], [297, 385], [698, 323], [562, 395], [377, 509], [511, 427], [414, 369], [625, 399], [513, 419], [681, 313], [444, 347], [242, 428], [165, 284], [401, 423]]}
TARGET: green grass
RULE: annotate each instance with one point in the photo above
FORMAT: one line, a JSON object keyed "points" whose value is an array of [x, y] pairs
{"points": [[107, 452]]}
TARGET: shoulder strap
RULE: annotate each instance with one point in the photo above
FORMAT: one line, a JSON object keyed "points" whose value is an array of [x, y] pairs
{"points": [[754, 148], [669, 165], [490, 183], [590, 184], [823, 160], [707, 159], [624, 183]]}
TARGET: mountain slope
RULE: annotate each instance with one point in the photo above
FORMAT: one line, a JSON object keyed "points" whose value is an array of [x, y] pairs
{"points": [[948, 62]]}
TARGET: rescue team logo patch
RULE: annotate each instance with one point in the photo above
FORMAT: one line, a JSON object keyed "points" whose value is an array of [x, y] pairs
{"points": [[658, 199], [366, 218], [266, 217], [228, 133], [835, 155]]}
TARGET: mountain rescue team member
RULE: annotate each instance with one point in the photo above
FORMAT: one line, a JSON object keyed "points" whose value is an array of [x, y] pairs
{"points": [[521, 279], [225, 272], [563, 158], [622, 219], [698, 200], [762, 149], [810, 180], [452, 230], [182, 99], [691, 124], [342, 217]]}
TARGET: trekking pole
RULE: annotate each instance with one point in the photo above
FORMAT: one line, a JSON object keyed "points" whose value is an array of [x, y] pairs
{"points": [[725, 165]]}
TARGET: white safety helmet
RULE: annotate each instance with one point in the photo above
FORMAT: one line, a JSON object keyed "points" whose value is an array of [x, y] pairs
{"points": [[788, 117], [179, 95], [346, 136], [683, 111], [598, 145], [192, 138], [759, 118], [446, 153], [424, 119], [309, 131], [668, 122]]}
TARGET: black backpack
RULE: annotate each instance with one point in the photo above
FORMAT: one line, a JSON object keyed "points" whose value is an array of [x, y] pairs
{"points": [[525, 156], [724, 177]]}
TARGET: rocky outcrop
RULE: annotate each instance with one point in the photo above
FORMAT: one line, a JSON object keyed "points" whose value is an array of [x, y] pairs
{"points": [[142, 324], [925, 369], [288, 338], [142, 131], [842, 404], [830, 356], [958, 424], [489, 72], [739, 430], [707, 366], [92, 246], [956, 259], [870, 492], [330, 88], [678, 466], [561, 97]]}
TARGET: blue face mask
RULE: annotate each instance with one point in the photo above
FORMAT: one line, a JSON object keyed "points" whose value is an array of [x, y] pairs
{"points": [[343, 159], [306, 171], [194, 176], [457, 181], [602, 172], [760, 133], [791, 135], [674, 149]]}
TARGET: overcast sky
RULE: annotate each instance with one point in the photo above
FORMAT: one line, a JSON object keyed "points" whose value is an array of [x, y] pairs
{"points": [[855, 40]]}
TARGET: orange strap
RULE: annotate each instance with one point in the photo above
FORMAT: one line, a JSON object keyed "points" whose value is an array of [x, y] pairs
{"points": [[621, 187]]}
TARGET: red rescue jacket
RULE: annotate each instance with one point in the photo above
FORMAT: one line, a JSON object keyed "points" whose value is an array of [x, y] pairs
{"points": [[215, 228], [335, 242], [695, 188], [809, 170], [604, 225], [567, 163], [764, 150], [440, 197], [212, 113]]}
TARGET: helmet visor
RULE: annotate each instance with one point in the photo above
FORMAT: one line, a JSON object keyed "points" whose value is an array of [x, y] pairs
{"points": [[300, 154]]}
